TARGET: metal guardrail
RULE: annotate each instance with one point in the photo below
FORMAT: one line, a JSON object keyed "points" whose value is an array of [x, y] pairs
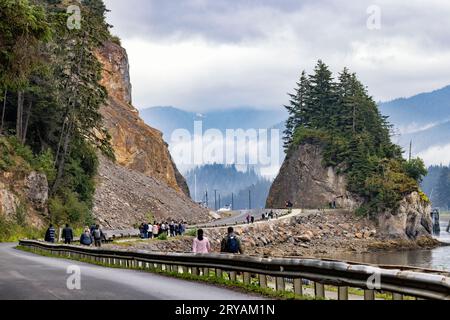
{"points": [[343, 275]]}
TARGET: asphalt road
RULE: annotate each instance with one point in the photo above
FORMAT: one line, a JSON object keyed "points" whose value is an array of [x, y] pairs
{"points": [[25, 276]]}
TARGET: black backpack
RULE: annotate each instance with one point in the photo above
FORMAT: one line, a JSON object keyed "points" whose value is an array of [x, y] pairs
{"points": [[232, 245]]}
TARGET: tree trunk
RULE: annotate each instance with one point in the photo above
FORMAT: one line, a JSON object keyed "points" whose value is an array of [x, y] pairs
{"points": [[354, 119], [3, 112], [25, 129], [62, 159], [19, 121]]}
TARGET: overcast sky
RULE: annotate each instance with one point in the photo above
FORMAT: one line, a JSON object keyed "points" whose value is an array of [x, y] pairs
{"points": [[210, 54]]}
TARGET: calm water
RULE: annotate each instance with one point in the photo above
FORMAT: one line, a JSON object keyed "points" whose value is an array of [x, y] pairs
{"points": [[433, 259]]}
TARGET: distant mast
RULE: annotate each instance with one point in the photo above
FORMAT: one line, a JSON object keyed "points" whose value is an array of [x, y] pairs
{"points": [[410, 151]]}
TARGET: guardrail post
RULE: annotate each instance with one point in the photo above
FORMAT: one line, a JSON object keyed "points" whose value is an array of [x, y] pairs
{"points": [[342, 293], [369, 295], [246, 278], [206, 272], [397, 296], [298, 289], [319, 290], [263, 281], [280, 284], [233, 276], [185, 270], [195, 271], [219, 273]]}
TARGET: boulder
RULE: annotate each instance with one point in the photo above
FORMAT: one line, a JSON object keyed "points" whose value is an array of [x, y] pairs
{"points": [[36, 188]]}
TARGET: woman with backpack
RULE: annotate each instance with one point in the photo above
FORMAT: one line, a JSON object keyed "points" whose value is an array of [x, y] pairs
{"points": [[201, 244]]}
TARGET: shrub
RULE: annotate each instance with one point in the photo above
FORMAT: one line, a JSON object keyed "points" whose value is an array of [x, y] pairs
{"points": [[192, 232], [162, 236]]}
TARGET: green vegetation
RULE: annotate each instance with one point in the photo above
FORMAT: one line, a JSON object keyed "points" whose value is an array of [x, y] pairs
{"points": [[13, 231], [344, 120], [50, 99], [191, 232], [162, 237]]}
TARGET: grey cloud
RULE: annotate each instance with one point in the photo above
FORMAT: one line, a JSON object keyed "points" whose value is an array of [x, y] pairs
{"points": [[409, 54]]}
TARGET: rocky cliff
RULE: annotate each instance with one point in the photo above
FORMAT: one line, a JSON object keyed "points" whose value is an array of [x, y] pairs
{"points": [[23, 198], [136, 145], [144, 178], [307, 183]]}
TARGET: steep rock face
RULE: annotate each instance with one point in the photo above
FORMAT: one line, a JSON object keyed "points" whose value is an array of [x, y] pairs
{"points": [[126, 197], [144, 180], [136, 145], [411, 221], [308, 184], [24, 195], [305, 182]]}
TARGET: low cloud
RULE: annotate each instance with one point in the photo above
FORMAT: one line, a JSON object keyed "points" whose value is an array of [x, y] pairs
{"points": [[200, 54]]}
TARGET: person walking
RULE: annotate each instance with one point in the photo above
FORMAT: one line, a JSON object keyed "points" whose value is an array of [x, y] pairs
{"points": [[86, 238], [231, 243], [67, 234], [98, 236], [201, 244], [253, 219], [182, 227], [146, 228], [50, 234], [448, 228], [155, 230]]}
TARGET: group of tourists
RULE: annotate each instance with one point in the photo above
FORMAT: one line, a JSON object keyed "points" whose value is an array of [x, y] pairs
{"points": [[230, 243], [154, 230], [91, 236]]}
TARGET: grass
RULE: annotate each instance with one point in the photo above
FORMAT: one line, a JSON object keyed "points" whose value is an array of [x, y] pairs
{"points": [[208, 279], [13, 232]]}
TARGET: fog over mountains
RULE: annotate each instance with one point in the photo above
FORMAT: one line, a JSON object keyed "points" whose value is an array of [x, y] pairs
{"points": [[423, 119]]}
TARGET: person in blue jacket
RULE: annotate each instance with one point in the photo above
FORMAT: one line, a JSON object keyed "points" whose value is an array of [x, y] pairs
{"points": [[86, 238]]}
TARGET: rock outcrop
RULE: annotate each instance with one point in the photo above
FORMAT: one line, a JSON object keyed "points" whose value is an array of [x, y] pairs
{"points": [[144, 178], [25, 196], [411, 221], [136, 145], [305, 182]]}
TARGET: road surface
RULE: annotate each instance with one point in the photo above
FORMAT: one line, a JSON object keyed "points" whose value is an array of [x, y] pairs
{"points": [[25, 276]]}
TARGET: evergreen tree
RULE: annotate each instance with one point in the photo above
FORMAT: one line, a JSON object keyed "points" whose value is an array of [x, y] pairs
{"points": [[443, 189]]}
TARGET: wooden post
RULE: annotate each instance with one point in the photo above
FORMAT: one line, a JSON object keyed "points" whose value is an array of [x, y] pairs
{"points": [[246, 278], [219, 273], [263, 281], [280, 284], [185, 270], [397, 296], [342, 293], [233, 276], [195, 271], [298, 288], [319, 290], [369, 294]]}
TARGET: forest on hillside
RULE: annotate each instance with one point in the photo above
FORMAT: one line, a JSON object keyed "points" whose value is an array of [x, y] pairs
{"points": [[340, 115], [437, 186], [228, 180], [50, 98]]}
